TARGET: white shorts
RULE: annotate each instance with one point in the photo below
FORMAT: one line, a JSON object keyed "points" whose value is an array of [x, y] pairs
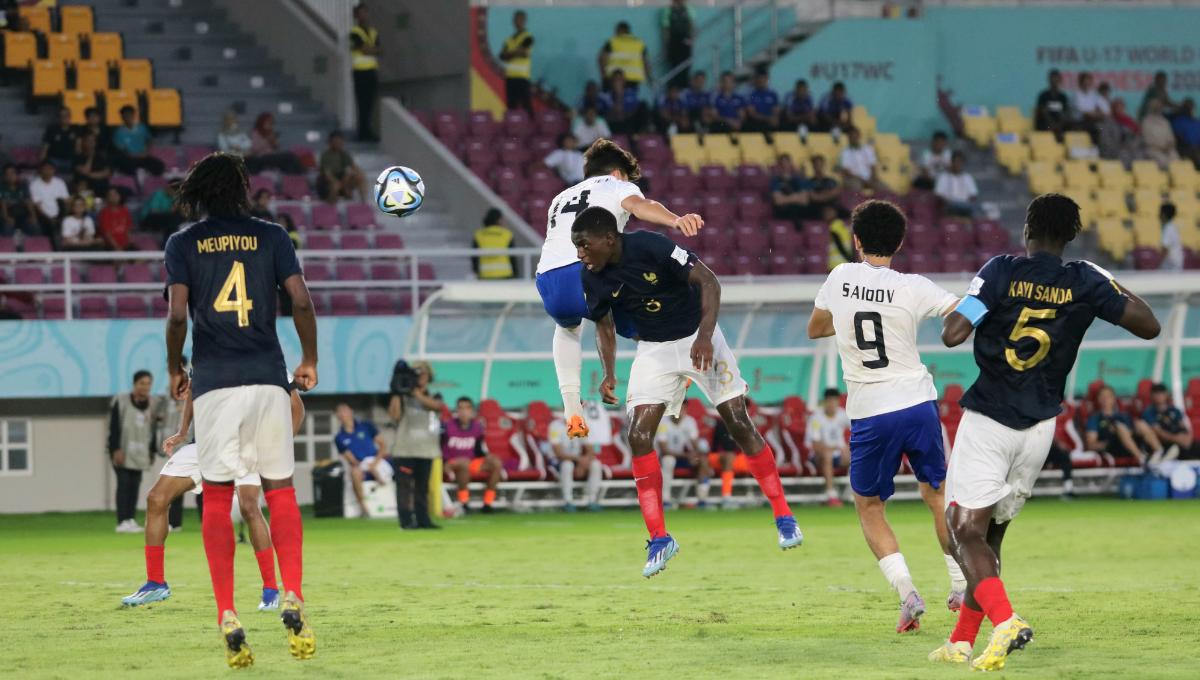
{"points": [[245, 430], [185, 462], [386, 472], [661, 371], [995, 465]]}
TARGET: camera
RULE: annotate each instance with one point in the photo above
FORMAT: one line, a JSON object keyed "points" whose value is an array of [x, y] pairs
{"points": [[404, 379]]}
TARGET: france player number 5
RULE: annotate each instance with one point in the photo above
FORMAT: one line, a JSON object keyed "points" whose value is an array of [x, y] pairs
{"points": [[876, 320], [232, 297], [1021, 330]]}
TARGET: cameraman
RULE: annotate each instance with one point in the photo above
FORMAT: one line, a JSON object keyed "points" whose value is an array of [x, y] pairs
{"points": [[415, 437]]}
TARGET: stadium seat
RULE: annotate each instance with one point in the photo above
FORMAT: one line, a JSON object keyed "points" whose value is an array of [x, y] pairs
{"points": [[106, 47], [1147, 175], [481, 125], [754, 149], [325, 216], [1114, 238], [552, 123], [1011, 154], [1079, 174], [1184, 201], [1147, 202], [78, 102], [1043, 177], [784, 237], [1183, 175], [49, 78], [170, 157], [351, 271], [822, 144], [262, 182], [101, 273], [715, 178], [316, 270], [131, 307], [319, 241], [686, 150], [360, 216], [1078, 144], [76, 19], [137, 272], [295, 187], [517, 124], [386, 271], [114, 101], [164, 109], [344, 304], [681, 179], [91, 75], [1111, 204], [62, 47], [789, 144], [1045, 147], [978, 126], [38, 18], [515, 152], [20, 49], [753, 178], [1147, 232], [1009, 119], [1147, 258], [753, 208], [652, 149], [55, 307], [29, 275], [94, 307], [389, 240]]}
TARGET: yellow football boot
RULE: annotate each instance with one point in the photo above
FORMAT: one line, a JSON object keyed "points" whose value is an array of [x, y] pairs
{"points": [[237, 652], [301, 641], [1007, 638], [952, 652]]}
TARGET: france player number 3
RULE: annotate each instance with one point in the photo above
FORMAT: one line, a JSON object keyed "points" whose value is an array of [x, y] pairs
{"points": [[1021, 330], [876, 320], [232, 297]]}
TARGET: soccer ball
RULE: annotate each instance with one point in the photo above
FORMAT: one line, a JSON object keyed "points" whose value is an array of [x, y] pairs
{"points": [[399, 191]]}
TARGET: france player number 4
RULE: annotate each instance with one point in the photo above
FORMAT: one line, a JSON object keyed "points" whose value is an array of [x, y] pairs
{"points": [[1022, 330], [232, 297], [876, 320]]}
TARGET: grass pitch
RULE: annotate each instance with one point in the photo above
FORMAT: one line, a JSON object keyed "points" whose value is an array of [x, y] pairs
{"points": [[1111, 588]]}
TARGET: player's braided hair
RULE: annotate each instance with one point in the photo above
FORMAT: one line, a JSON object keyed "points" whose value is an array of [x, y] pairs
{"points": [[216, 185], [1052, 219], [879, 226], [605, 155]]}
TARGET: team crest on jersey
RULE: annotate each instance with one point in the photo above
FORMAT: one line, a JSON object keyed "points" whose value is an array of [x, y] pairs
{"points": [[651, 277]]}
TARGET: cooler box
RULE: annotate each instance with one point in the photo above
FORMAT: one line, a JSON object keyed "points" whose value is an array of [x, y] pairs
{"points": [[328, 480], [1146, 487]]}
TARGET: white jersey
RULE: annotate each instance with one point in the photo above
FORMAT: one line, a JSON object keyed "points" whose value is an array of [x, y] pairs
{"points": [[876, 312], [677, 438], [826, 429], [604, 191], [557, 434]]}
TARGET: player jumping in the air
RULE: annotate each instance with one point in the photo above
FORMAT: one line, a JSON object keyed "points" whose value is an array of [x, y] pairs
{"points": [[611, 172], [225, 271], [182, 474], [1031, 313], [874, 311], [672, 300]]}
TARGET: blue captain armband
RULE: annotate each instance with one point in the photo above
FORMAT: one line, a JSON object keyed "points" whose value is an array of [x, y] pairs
{"points": [[973, 309]]}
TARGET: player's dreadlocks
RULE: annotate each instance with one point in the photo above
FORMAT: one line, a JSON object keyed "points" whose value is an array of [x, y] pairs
{"points": [[879, 226], [605, 155], [216, 185], [1052, 219]]}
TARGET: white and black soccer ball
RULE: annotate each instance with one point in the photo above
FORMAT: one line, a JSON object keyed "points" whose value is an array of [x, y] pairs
{"points": [[399, 191]]}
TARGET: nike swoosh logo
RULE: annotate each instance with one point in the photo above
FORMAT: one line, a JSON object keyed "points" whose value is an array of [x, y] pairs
{"points": [[618, 290]]}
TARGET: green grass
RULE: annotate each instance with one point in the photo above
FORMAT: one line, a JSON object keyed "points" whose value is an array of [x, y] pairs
{"points": [[1112, 589]]}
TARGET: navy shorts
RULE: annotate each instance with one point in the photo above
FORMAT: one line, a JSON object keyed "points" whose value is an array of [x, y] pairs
{"points": [[562, 296], [879, 443]]}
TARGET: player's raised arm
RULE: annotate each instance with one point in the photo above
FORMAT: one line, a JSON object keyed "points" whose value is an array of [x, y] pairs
{"points": [[306, 327], [701, 277], [652, 211], [606, 345]]}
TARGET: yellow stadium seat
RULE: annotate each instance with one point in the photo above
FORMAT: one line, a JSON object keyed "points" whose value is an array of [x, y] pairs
{"points": [[822, 144], [106, 47], [1111, 204], [896, 158], [1043, 177], [78, 102], [754, 149], [719, 150], [135, 74], [1013, 157], [1184, 201], [49, 78], [1183, 175], [1147, 175], [789, 144], [899, 181], [38, 18], [20, 49], [1078, 174], [1045, 147], [858, 113], [91, 75], [1113, 175], [1114, 238], [76, 19], [114, 101], [1077, 140], [62, 47], [980, 129], [164, 108], [1146, 202], [1010, 119], [687, 150], [1189, 233], [1147, 232], [1087, 205]]}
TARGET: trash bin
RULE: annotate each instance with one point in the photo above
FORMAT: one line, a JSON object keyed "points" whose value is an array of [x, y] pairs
{"points": [[328, 484]]}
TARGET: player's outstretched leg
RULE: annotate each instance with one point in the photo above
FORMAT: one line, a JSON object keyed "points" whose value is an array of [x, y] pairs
{"points": [[568, 365], [647, 476], [260, 539], [301, 641], [287, 534], [935, 499], [761, 459], [881, 540], [237, 651], [158, 503]]}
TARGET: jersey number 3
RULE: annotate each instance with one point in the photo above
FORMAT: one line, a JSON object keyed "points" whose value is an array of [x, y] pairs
{"points": [[232, 297], [1021, 330], [877, 344]]}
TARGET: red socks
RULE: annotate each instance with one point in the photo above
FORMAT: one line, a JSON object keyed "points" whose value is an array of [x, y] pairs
{"points": [[489, 496], [266, 566], [647, 475], [217, 529], [726, 483], [991, 596], [287, 534], [762, 466], [968, 625], [154, 563]]}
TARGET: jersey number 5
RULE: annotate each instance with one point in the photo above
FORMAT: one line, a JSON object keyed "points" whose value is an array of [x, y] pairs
{"points": [[1021, 330], [232, 297], [876, 320]]}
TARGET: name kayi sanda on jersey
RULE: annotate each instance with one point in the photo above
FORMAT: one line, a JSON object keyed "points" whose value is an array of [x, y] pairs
{"points": [[868, 294], [221, 244], [1027, 290]]}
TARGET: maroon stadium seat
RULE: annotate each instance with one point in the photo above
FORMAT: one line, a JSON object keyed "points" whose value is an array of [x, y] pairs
{"points": [[752, 239], [786, 265], [951, 261], [718, 212], [424, 117], [262, 181], [721, 264], [296, 213], [816, 262], [517, 124], [551, 123], [101, 273], [388, 241], [152, 183], [425, 272], [816, 235], [56, 274], [8, 244], [360, 216], [193, 154], [131, 307], [317, 270], [750, 265], [386, 271], [921, 238], [540, 147], [351, 271], [1147, 258], [448, 125], [295, 187], [344, 304], [380, 303], [137, 272], [507, 175], [319, 242], [681, 179], [355, 241], [715, 178], [753, 178], [753, 208], [125, 182], [919, 263], [481, 125], [957, 235], [546, 187], [144, 241], [654, 149], [29, 275], [20, 306], [94, 307], [325, 216], [169, 155], [514, 152], [55, 307]]}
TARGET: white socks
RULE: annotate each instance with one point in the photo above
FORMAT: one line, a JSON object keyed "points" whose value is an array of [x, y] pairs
{"points": [[595, 476], [568, 364], [702, 489], [895, 570], [566, 477], [668, 476], [958, 582]]}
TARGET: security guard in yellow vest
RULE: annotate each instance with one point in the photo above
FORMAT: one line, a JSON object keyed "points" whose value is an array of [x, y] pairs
{"points": [[518, 65], [364, 61], [493, 234], [625, 52]]}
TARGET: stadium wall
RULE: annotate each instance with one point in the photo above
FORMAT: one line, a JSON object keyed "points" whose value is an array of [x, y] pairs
{"points": [[426, 51]]}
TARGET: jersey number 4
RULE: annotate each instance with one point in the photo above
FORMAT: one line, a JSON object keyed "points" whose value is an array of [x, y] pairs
{"points": [[576, 206], [232, 297], [1022, 330], [877, 344]]}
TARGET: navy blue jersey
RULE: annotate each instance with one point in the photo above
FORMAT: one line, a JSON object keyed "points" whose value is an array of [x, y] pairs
{"points": [[649, 284], [1030, 315], [233, 268]]}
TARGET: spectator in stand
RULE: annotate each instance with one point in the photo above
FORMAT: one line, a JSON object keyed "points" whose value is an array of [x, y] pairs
{"points": [[1052, 112], [494, 235], [825, 436], [956, 187], [79, 229], [1091, 106], [627, 114], [1157, 90], [589, 127], [131, 446], [678, 33], [698, 100], [679, 445], [841, 242], [1066, 440], [567, 159], [1110, 431], [1186, 127], [671, 114], [16, 208], [1157, 137], [799, 114], [159, 212], [574, 459], [415, 431], [789, 192], [1170, 426], [858, 163], [762, 112], [131, 144], [115, 222], [362, 450], [1172, 243], [49, 194], [464, 454], [340, 177], [84, 190], [1118, 136], [364, 63], [94, 124], [261, 207], [232, 138], [60, 143], [934, 161], [265, 153], [625, 52], [728, 106], [92, 164], [834, 109], [517, 56], [593, 98], [823, 190]]}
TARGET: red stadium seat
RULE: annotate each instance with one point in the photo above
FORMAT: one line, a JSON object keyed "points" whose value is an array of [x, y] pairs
{"points": [[386, 271], [101, 273], [816, 236], [786, 265], [360, 216], [351, 271], [517, 124], [193, 153], [8, 244], [262, 182], [753, 208], [754, 178], [295, 187], [515, 152], [319, 242], [131, 307], [388, 241], [355, 241], [94, 307], [29, 275], [137, 272], [296, 213], [325, 216], [551, 123], [1147, 258], [317, 270], [380, 303], [482, 126], [681, 179], [55, 307], [344, 304], [37, 244], [715, 178]]}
